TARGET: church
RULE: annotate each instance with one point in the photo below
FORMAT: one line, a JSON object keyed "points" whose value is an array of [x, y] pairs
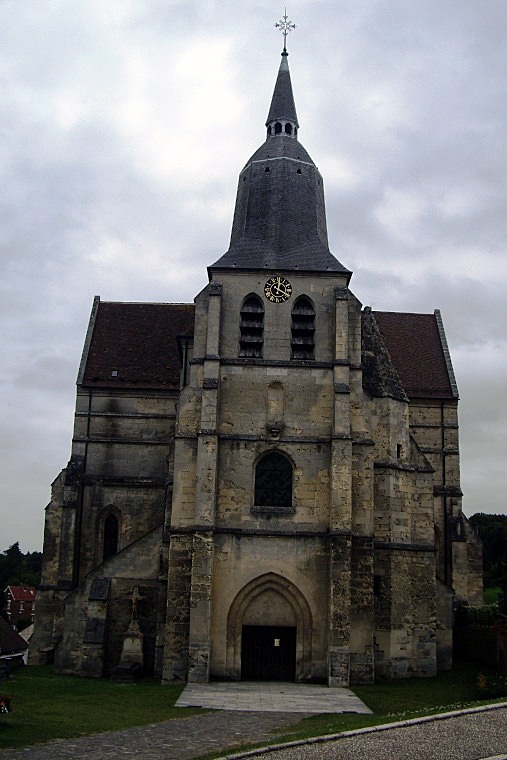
{"points": [[264, 484]]}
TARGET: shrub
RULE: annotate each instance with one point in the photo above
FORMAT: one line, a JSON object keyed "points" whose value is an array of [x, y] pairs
{"points": [[491, 686]]}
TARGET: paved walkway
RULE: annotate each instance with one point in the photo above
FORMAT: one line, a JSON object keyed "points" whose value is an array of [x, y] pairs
{"points": [[180, 739], [244, 713], [262, 696]]}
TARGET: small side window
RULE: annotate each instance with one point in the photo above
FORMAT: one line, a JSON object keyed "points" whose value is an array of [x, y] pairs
{"points": [[110, 537]]}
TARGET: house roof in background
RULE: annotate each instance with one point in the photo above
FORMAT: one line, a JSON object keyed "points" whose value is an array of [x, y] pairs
{"points": [[22, 593]]}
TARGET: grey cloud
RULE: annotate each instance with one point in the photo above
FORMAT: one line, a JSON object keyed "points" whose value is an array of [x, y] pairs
{"points": [[114, 183]]}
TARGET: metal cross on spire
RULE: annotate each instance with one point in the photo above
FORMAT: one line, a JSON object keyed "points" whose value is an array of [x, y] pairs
{"points": [[285, 26]]}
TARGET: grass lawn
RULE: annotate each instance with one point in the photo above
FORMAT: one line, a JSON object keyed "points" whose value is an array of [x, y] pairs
{"points": [[47, 707], [391, 701]]}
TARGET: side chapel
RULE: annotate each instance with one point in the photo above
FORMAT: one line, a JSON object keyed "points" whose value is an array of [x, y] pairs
{"points": [[274, 468]]}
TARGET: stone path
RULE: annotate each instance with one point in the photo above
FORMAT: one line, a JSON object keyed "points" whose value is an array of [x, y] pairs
{"points": [[244, 713], [179, 739], [259, 696]]}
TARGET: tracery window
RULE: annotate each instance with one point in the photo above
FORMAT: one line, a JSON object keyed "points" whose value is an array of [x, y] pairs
{"points": [[303, 329], [110, 537], [273, 482], [251, 327]]}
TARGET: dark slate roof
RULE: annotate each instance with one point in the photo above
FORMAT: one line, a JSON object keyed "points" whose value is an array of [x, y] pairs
{"points": [[10, 641], [280, 146], [282, 102], [140, 342], [280, 218], [416, 345]]}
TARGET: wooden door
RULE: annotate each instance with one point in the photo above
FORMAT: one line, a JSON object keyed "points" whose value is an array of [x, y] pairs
{"points": [[268, 653]]}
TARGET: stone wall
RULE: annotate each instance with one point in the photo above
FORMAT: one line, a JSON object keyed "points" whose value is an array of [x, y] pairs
{"points": [[405, 614], [292, 571], [97, 614], [351, 562]]}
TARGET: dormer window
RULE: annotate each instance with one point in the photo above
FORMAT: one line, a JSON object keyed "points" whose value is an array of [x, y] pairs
{"points": [[303, 329], [251, 327]]}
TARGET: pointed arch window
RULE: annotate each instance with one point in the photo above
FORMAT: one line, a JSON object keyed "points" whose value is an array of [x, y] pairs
{"points": [[251, 329], [273, 484], [303, 329], [110, 537]]}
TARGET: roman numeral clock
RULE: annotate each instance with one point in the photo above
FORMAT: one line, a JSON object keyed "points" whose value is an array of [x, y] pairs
{"points": [[278, 289]]}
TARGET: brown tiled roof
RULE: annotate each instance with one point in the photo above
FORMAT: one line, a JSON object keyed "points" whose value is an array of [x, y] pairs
{"points": [[139, 341], [10, 641], [22, 593], [415, 347]]}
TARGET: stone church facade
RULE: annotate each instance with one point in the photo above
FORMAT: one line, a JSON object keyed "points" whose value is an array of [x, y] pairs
{"points": [[273, 471]]}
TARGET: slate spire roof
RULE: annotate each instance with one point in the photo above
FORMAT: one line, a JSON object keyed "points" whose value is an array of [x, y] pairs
{"points": [[283, 107], [280, 218]]}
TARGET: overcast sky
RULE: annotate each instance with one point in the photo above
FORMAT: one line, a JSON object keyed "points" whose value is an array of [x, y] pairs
{"points": [[124, 125]]}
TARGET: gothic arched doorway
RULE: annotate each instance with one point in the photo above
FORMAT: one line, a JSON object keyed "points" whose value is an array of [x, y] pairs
{"points": [[269, 633]]}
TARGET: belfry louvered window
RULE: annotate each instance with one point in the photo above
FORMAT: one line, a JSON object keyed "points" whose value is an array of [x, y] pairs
{"points": [[303, 329], [251, 328]]}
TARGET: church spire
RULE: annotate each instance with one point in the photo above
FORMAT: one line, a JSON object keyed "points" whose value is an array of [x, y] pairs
{"points": [[279, 220], [282, 119]]}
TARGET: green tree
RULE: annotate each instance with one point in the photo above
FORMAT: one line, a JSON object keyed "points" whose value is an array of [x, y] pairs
{"points": [[17, 568], [493, 531]]}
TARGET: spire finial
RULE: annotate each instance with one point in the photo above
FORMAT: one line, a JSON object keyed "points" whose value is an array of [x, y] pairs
{"points": [[285, 26]]}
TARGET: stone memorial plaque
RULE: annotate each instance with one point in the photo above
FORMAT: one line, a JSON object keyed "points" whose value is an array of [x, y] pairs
{"points": [[99, 590]]}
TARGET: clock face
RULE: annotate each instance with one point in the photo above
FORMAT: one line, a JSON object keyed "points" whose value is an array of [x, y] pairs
{"points": [[278, 289]]}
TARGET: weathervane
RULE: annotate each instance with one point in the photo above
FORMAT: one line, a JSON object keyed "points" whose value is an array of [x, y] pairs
{"points": [[285, 27]]}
